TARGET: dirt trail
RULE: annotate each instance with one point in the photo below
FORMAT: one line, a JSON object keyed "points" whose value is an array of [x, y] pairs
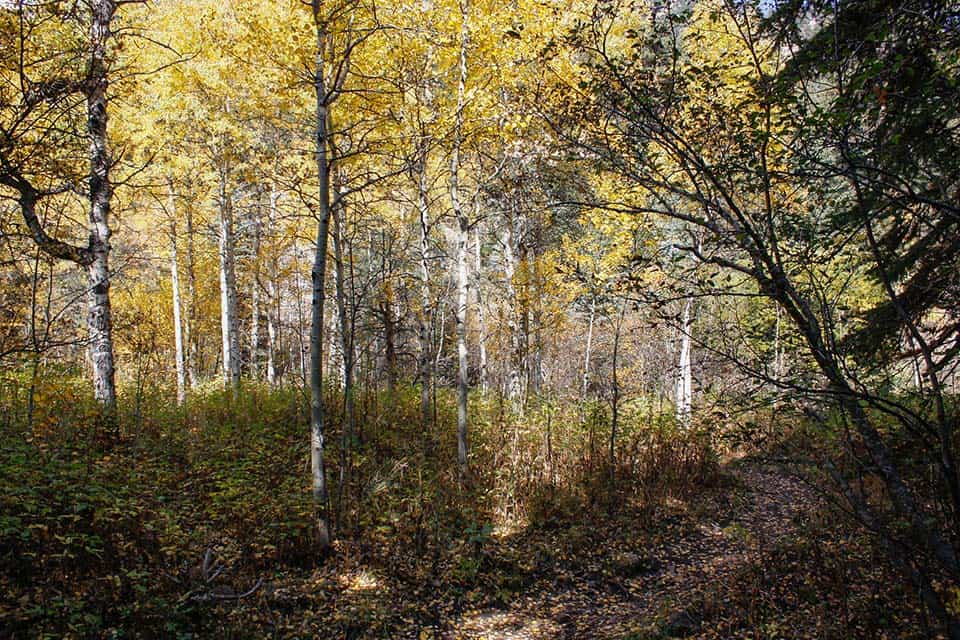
{"points": [[655, 591]]}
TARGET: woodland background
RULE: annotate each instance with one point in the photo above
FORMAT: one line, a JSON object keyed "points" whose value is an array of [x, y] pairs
{"points": [[467, 318]]}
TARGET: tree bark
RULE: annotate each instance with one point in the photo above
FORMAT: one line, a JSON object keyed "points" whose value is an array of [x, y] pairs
{"points": [[390, 343], [94, 257], [346, 349], [463, 231], [389, 318], [189, 335], [272, 342], [615, 399], [228, 287], [426, 304], [273, 298], [684, 373], [177, 306], [302, 345], [535, 357], [514, 375], [318, 275], [256, 288], [99, 319], [481, 324], [588, 351], [336, 363]]}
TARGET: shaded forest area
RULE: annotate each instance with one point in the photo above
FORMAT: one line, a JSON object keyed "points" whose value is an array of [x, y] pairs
{"points": [[469, 319]]}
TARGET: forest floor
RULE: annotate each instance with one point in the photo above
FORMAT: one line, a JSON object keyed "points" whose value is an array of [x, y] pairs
{"points": [[760, 555], [664, 588], [207, 533]]}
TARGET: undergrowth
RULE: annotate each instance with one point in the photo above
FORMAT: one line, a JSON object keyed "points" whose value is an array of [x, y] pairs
{"points": [[151, 530]]}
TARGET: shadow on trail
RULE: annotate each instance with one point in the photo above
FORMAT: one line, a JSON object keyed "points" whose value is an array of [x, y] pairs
{"points": [[757, 556]]}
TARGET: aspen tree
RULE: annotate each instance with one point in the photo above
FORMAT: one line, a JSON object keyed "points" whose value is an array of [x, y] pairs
{"points": [[92, 83]]}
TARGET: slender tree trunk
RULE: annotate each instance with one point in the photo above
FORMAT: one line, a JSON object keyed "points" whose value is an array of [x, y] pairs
{"points": [[256, 287], [615, 399], [514, 375], [684, 372], [346, 349], [535, 359], [427, 306], [387, 315], [478, 281], [588, 352], [302, 346], [390, 344], [317, 408], [463, 231], [426, 303], [777, 348], [228, 287], [273, 294], [271, 344], [441, 341], [35, 339], [777, 368], [189, 335], [177, 312], [99, 318], [336, 363]]}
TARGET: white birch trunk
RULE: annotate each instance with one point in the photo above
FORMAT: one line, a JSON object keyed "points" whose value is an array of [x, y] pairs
{"points": [[535, 357], [273, 311], [684, 373], [177, 306], [514, 375], [426, 304], [589, 350], [335, 359], [301, 355], [462, 239], [99, 318], [478, 279], [228, 288], [271, 342], [615, 399], [94, 257], [255, 293], [188, 337]]}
